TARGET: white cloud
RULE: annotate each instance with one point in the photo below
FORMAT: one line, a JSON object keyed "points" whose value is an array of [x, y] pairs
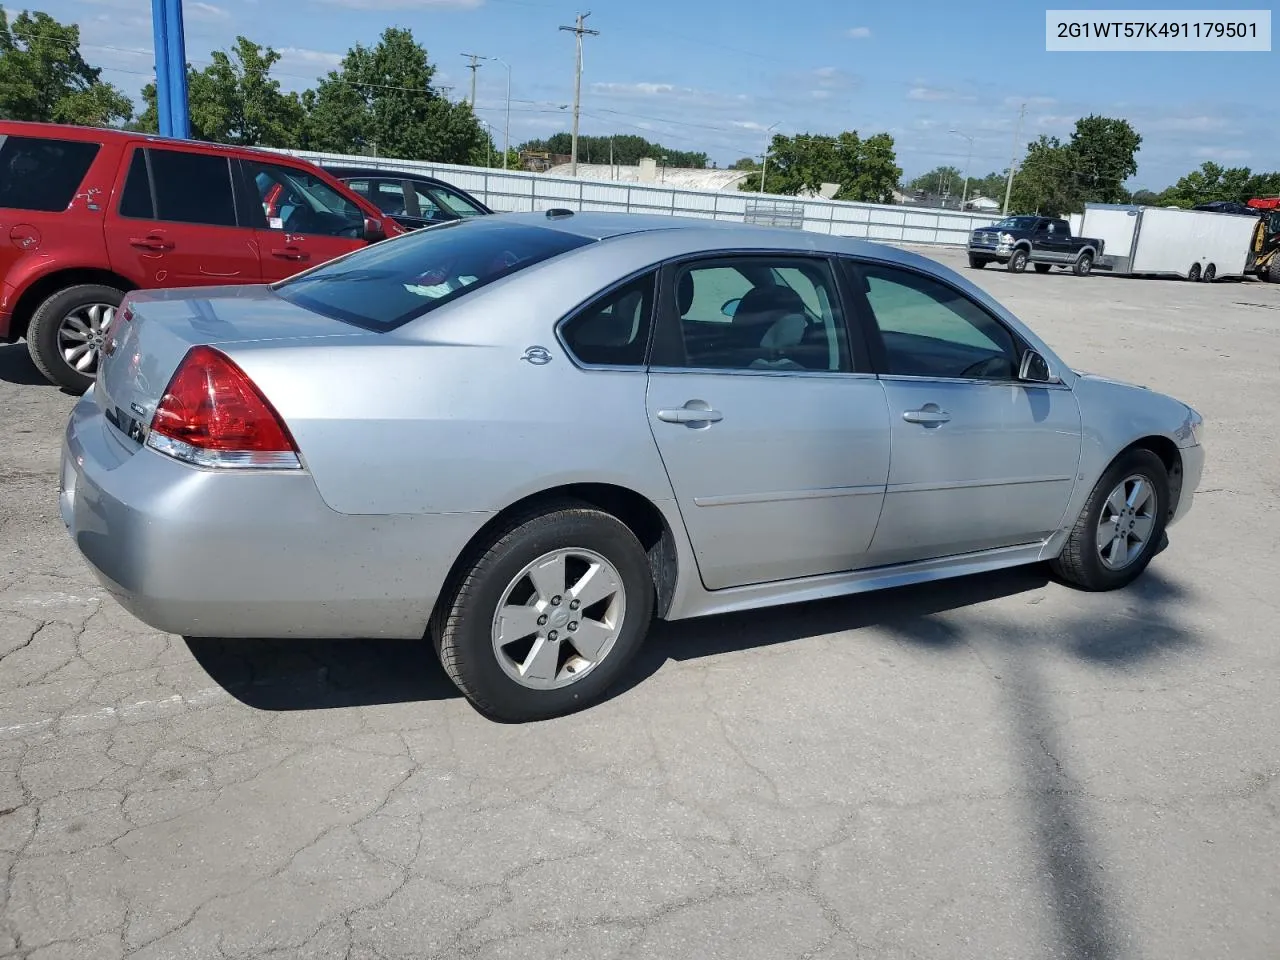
{"points": [[1223, 154], [403, 4], [205, 11], [643, 89], [858, 33], [936, 94]]}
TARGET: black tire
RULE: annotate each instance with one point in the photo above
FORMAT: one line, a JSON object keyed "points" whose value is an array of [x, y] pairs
{"points": [[1193, 275], [1273, 268], [1017, 262], [1210, 274], [977, 263], [1083, 265], [464, 617], [1043, 267], [42, 333], [1079, 564]]}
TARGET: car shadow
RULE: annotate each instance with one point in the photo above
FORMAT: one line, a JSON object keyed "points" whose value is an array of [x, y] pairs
{"points": [[16, 367], [293, 674]]}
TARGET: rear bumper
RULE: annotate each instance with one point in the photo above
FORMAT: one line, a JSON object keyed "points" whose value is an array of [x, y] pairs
{"points": [[210, 554]]}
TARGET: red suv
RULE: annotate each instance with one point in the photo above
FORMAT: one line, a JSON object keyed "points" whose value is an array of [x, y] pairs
{"points": [[91, 214]]}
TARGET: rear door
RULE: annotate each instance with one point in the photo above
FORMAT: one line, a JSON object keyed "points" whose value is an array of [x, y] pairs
{"points": [[299, 219], [174, 221], [774, 434]]}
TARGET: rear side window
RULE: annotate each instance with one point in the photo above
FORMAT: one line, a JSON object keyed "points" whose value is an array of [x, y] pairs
{"points": [[193, 188], [37, 173], [388, 284], [136, 200]]}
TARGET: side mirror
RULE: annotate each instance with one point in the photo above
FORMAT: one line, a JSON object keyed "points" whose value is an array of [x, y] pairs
{"points": [[1035, 369], [373, 230], [730, 307]]}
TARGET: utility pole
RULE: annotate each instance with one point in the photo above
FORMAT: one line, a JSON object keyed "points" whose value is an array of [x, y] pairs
{"points": [[1017, 135], [473, 66], [579, 31]]}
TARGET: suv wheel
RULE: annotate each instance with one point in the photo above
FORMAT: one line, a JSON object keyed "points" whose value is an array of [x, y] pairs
{"points": [[67, 333], [1017, 262], [1083, 264], [977, 263]]}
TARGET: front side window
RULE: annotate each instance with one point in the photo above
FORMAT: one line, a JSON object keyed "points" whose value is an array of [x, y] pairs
{"points": [[1017, 223], [296, 201], [388, 284], [192, 188], [388, 196], [39, 173], [613, 331], [931, 330], [759, 313]]}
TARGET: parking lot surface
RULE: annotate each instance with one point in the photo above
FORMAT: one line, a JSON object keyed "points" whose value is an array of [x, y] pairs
{"points": [[985, 768]]}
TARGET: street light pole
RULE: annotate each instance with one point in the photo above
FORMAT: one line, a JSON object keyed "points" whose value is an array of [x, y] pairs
{"points": [[764, 167], [968, 160], [506, 133]]}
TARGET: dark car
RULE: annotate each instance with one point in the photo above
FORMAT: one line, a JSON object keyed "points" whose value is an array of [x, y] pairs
{"points": [[1045, 242], [413, 200]]}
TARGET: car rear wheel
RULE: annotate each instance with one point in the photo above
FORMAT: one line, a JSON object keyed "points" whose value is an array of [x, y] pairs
{"points": [[547, 617], [1043, 267], [1083, 265], [1210, 274], [1273, 268], [1119, 529], [67, 333], [1018, 262], [1194, 273]]}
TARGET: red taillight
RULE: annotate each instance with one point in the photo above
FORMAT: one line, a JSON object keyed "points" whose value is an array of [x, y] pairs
{"points": [[212, 415]]}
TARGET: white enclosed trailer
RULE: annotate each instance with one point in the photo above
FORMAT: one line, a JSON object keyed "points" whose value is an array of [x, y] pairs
{"points": [[1168, 242]]}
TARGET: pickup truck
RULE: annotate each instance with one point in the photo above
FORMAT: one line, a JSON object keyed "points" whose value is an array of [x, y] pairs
{"points": [[1043, 241]]}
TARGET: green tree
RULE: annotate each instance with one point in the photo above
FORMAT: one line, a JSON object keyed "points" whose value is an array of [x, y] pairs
{"points": [[235, 100], [745, 163], [43, 77], [1214, 182], [1057, 178], [938, 180], [627, 149], [383, 96], [866, 170]]}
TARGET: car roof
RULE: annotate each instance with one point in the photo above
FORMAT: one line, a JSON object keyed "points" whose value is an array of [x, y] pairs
{"points": [[346, 170], [68, 131]]}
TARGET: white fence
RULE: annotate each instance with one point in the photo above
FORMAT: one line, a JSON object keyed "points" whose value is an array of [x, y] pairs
{"points": [[513, 190]]}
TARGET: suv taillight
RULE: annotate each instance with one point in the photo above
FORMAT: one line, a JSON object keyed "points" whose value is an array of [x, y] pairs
{"points": [[212, 415]]}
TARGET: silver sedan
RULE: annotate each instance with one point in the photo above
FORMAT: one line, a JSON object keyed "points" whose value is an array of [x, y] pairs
{"points": [[523, 437]]}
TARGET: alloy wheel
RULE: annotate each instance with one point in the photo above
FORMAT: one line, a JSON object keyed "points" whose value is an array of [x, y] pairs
{"points": [[559, 618], [1127, 521], [82, 333]]}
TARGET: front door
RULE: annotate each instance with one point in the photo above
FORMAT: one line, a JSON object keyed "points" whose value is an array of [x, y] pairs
{"points": [[301, 220], [175, 223], [980, 459], [774, 437]]}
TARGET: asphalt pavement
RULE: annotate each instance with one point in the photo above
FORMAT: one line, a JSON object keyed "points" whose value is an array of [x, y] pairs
{"points": [[994, 767]]}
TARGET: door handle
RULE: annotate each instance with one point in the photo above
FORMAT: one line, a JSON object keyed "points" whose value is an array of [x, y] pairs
{"points": [[151, 243], [290, 253], [690, 415], [926, 416]]}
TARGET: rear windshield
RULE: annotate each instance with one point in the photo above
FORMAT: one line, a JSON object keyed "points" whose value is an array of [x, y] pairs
{"points": [[391, 283], [37, 173]]}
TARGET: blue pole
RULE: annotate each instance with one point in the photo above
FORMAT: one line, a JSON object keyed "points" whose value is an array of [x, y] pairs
{"points": [[171, 68]]}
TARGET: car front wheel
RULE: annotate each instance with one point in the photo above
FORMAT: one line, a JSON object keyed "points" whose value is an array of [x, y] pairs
{"points": [[977, 263], [548, 616], [1119, 529], [1018, 262]]}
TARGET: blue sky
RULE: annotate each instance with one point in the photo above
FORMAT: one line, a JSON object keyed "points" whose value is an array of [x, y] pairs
{"points": [[714, 75]]}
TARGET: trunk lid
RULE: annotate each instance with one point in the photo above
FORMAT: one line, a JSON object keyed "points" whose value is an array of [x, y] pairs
{"points": [[163, 325]]}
